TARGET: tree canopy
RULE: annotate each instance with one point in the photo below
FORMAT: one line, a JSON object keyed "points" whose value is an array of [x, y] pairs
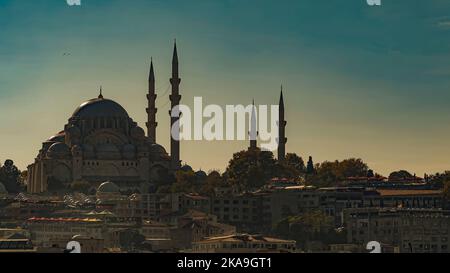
{"points": [[328, 174], [400, 175], [309, 226], [10, 177], [251, 169]]}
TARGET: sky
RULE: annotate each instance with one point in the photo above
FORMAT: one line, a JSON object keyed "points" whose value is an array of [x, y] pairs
{"points": [[359, 81]]}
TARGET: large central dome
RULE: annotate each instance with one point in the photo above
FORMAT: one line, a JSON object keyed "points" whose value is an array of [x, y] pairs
{"points": [[100, 107]]}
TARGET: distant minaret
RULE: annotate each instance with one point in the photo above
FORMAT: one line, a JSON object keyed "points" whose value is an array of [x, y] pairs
{"points": [[253, 129], [151, 109], [175, 98], [281, 130]]}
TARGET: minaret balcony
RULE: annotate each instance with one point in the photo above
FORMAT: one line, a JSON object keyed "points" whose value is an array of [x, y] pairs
{"points": [[175, 98], [175, 81], [152, 110]]}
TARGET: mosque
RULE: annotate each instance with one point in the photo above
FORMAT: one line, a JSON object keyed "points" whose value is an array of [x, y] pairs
{"points": [[101, 142]]}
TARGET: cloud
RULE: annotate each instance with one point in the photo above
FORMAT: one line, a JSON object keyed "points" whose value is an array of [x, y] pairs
{"points": [[443, 24]]}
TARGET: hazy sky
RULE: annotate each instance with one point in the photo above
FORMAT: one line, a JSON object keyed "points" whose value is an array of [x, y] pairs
{"points": [[360, 81]]}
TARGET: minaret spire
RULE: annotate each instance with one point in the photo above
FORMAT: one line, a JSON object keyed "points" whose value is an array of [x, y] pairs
{"points": [[151, 109], [253, 129], [281, 130], [100, 96], [175, 114]]}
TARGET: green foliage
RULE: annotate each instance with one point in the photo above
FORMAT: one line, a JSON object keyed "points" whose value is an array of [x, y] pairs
{"points": [[310, 167], [10, 177], [251, 169], [400, 175], [446, 190], [310, 226], [131, 239], [293, 167], [437, 180], [214, 180], [185, 182], [328, 174], [295, 162]]}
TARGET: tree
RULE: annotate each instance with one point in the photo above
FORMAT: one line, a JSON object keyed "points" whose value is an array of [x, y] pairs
{"points": [[329, 174], [131, 239], [350, 167], [214, 180], [292, 168], [251, 169], [310, 167], [370, 173], [446, 193], [309, 226], [295, 162], [323, 176], [10, 177], [185, 181], [437, 180], [400, 175]]}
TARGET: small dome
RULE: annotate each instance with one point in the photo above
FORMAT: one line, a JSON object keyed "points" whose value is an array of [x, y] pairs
{"points": [[138, 133], [187, 168], [108, 187], [3, 189], [80, 237], [58, 150], [157, 149], [59, 137], [100, 107], [201, 174]]}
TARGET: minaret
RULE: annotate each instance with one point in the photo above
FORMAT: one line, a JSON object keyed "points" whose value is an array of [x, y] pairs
{"points": [[253, 129], [281, 130], [175, 98], [100, 96], [151, 109]]}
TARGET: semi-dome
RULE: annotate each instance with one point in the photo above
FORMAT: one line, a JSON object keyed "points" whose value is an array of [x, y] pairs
{"points": [[157, 149], [100, 107], [59, 137], [108, 187], [58, 150]]}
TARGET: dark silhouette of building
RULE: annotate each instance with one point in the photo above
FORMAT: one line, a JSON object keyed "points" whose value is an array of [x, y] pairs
{"points": [[253, 129], [175, 98], [281, 131], [151, 110]]}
